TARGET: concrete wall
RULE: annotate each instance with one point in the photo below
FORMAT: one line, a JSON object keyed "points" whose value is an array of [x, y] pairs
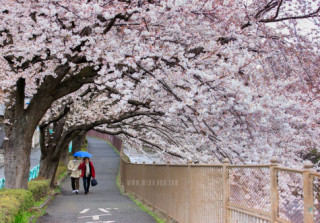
{"points": [[114, 140]]}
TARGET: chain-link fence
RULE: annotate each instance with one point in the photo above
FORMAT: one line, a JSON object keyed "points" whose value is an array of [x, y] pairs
{"points": [[227, 193], [250, 187], [316, 198], [290, 193]]}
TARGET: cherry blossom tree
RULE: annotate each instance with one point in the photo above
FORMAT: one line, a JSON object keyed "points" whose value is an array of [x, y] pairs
{"points": [[78, 117], [236, 79]]}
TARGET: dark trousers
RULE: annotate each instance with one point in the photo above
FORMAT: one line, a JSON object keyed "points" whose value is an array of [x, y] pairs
{"points": [[86, 183], [75, 183]]}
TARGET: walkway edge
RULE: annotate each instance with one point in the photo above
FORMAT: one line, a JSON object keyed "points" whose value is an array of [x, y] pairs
{"points": [[50, 198], [46, 202]]}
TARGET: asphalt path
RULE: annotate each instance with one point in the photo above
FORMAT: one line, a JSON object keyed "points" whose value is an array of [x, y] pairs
{"points": [[104, 203]]}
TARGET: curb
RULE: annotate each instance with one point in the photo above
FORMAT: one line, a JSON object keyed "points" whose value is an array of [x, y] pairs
{"points": [[58, 183], [46, 202]]}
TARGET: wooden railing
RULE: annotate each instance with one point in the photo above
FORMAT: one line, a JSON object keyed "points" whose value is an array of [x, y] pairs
{"points": [[225, 193]]}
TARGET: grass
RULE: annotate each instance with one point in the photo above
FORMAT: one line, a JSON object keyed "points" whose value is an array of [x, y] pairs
{"points": [[18, 205], [34, 213], [85, 148], [140, 205], [29, 216], [112, 146], [118, 184], [61, 172], [146, 209]]}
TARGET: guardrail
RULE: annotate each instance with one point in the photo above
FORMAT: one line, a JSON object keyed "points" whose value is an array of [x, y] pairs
{"points": [[225, 193], [34, 173]]}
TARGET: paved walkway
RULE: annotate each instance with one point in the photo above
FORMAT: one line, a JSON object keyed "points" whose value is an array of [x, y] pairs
{"points": [[104, 203]]}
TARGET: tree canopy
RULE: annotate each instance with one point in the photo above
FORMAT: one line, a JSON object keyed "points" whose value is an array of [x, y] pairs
{"points": [[212, 79]]}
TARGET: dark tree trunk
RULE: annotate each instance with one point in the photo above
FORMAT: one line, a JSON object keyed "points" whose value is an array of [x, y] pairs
{"points": [[53, 176], [49, 145], [61, 148], [78, 142], [47, 166], [17, 160], [17, 145], [64, 155], [23, 122]]}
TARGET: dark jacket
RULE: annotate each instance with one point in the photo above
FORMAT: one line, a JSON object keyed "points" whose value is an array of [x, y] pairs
{"points": [[82, 167]]}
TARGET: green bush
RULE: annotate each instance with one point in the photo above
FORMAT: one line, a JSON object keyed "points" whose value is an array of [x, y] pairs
{"points": [[25, 197], [39, 188], [13, 201], [9, 207]]}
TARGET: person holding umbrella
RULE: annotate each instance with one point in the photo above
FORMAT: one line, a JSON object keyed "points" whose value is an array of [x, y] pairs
{"points": [[73, 166], [87, 171]]}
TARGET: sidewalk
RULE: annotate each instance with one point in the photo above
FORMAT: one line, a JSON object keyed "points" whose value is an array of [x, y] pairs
{"points": [[34, 160], [104, 203]]}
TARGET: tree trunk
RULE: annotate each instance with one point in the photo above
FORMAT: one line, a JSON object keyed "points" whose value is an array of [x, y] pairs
{"points": [[47, 165], [64, 155], [23, 122], [53, 176], [61, 148], [78, 142], [17, 158], [49, 160], [17, 145]]}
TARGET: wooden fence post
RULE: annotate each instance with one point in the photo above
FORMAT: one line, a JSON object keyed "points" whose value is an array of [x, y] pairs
{"points": [[167, 185], [152, 185], [123, 170], [189, 190], [125, 181], [225, 188], [143, 182], [274, 194], [308, 192], [121, 167]]}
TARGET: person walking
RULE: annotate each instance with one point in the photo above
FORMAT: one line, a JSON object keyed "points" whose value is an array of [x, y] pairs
{"points": [[87, 171], [73, 166]]}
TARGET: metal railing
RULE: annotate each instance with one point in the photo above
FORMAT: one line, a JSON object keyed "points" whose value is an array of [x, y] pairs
{"points": [[225, 193], [34, 173]]}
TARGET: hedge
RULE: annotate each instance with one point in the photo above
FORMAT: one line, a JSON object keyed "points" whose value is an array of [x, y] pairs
{"points": [[39, 188], [9, 207], [14, 201]]}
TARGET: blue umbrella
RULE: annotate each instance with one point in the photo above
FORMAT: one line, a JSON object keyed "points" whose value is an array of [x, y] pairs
{"points": [[82, 154]]}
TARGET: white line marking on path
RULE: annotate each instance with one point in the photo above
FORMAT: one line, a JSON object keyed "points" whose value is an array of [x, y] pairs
{"points": [[84, 211], [95, 217], [101, 222], [104, 210]]}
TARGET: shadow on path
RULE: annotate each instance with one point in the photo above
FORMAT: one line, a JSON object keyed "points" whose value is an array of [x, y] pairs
{"points": [[104, 203]]}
